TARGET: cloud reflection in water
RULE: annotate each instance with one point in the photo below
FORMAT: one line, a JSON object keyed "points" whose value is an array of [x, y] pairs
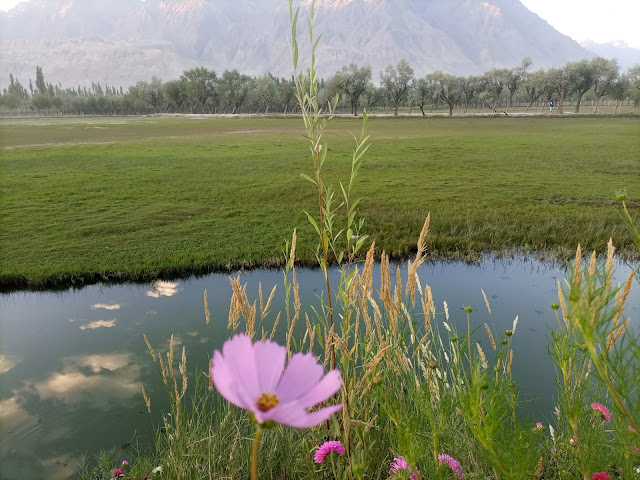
{"points": [[163, 289], [99, 324]]}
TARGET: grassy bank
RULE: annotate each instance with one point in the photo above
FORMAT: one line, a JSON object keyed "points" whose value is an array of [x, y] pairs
{"points": [[134, 198]]}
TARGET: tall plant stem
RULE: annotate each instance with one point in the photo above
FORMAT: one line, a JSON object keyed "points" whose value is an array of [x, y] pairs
{"points": [[325, 255], [612, 390], [254, 454]]}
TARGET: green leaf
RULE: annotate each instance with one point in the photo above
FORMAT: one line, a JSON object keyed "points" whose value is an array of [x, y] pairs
{"points": [[349, 233], [313, 222], [307, 177]]}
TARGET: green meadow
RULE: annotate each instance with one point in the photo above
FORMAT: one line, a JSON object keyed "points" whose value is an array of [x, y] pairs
{"points": [[86, 199]]}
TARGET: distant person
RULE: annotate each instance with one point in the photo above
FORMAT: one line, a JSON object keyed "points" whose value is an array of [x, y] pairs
{"points": [[551, 106]]}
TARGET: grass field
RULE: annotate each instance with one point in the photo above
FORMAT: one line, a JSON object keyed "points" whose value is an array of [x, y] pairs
{"points": [[84, 199]]}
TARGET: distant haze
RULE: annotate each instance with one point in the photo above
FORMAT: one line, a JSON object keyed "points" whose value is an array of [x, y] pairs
{"points": [[119, 42]]}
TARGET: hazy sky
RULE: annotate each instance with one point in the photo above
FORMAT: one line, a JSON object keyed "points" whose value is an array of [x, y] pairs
{"points": [[580, 19]]}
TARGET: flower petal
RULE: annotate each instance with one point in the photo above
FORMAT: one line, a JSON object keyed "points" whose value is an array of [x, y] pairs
{"points": [[269, 363], [302, 373], [225, 381], [239, 357], [296, 416], [323, 390]]}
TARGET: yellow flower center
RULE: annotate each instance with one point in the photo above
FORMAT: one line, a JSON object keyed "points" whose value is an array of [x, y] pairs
{"points": [[267, 401]]}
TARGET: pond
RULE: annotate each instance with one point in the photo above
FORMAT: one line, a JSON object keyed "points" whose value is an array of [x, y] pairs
{"points": [[72, 363]]}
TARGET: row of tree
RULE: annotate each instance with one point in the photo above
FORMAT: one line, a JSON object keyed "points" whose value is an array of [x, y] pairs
{"points": [[200, 90]]}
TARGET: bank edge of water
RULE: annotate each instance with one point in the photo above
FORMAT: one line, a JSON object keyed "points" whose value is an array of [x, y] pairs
{"points": [[78, 280]]}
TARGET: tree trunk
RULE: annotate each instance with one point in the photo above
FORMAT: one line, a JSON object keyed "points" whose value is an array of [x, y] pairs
{"points": [[578, 102], [451, 109], [395, 112], [422, 110]]}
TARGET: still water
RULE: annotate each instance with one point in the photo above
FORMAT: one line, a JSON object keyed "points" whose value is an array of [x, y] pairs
{"points": [[72, 364]]}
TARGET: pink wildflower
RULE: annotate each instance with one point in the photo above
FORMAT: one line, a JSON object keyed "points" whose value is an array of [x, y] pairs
{"points": [[572, 441], [253, 377], [604, 413], [326, 448], [600, 476], [117, 472], [125, 463], [452, 463], [539, 426], [398, 464]]}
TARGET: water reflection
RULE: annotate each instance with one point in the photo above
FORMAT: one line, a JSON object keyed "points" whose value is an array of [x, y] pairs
{"points": [[68, 387], [98, 380], [7, 362], [98, 324], [105, 306], [163, 289]]}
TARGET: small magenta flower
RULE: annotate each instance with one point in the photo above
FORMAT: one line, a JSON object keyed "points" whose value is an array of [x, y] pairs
{"points": [[326, 448], [125, 463], [572, 441], [117, 472], [398, 464], [600, 476], [253, 377], [452, 463], [539, 426], [604, 412]]}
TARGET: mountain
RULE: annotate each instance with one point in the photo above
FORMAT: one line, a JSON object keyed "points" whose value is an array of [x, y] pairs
{"points": [[119, 42], [627, 56]]}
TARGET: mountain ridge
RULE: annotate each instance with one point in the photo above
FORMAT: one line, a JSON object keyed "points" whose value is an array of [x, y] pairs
{"points": [[461, 37]]}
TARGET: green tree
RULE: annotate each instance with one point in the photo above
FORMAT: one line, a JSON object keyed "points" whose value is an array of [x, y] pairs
{"points": [[352, 82], [605, 73], [41, 86], [396, 81], [449, 88], [580, 76], [200, 89], [233, 88]]}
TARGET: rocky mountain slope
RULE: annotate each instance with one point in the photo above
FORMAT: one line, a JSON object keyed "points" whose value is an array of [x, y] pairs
{"points": [[119, 42]]}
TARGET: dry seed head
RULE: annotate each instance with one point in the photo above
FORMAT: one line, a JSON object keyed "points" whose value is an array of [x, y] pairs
{"points": [[446, 311], [446, 325], [486, 302], [577, 273], [147, 401], [275, 325], [183, 371], [206, 306], [592, 264], [510, 360], [493, 342], [264, 312], [609, 265], [483, 359], [422, 248], [366, 279], [515, 324], [153, 354], [170, 354], [563, 306], [292, 253], [618, 334]]}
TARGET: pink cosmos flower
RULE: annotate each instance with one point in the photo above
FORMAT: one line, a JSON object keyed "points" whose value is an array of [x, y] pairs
{"points": [[326, 448], [117, 472], [539, 426], [452, 463], [124, 462], [398, 464], [600, 476], [604, 413], [253, 377]]}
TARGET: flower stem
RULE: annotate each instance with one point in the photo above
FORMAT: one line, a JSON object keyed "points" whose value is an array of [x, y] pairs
{"points": [[254, 454]]}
